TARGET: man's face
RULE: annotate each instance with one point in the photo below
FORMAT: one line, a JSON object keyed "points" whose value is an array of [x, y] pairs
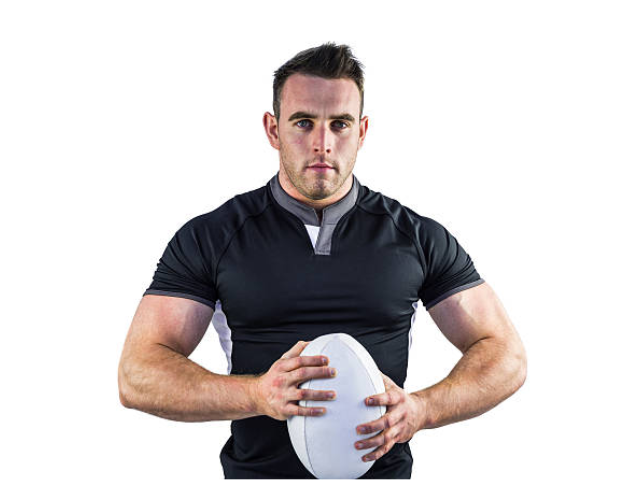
{"points": [[319, 124]]}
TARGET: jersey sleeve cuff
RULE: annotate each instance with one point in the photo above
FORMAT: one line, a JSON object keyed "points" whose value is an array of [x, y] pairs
{"points": [[451, 292], [166, 293]]}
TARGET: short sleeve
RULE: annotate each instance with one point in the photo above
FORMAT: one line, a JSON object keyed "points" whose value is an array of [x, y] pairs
{"points": [[449, 267], [185, 268]]}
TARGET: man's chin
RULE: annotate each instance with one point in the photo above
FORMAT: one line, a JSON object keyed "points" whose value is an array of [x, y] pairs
{"points": [[319, 191], [318, 194]]}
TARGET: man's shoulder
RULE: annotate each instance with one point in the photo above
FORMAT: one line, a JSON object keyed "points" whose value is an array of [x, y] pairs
{"points": [[211, 231], [404, 217], [233, 212]]}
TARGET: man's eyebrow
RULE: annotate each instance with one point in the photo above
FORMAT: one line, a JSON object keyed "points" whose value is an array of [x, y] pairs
{"points": [[342, 116]]}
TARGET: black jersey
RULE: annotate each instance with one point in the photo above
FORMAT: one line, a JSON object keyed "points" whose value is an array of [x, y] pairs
{"points": [[274, 274]]}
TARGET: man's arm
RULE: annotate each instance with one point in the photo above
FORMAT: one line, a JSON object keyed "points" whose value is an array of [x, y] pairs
{"points": [[155, 375], [493, 366]]}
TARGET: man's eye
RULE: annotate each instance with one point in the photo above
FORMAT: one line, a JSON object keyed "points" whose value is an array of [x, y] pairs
{"points": [[341, 125], [299, 122]]}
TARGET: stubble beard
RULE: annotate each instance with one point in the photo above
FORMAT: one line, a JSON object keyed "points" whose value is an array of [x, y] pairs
{"points": [[317, 188]]}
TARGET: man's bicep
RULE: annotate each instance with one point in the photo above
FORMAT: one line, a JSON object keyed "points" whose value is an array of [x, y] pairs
{"points": [[177, 323], [471, 315]]}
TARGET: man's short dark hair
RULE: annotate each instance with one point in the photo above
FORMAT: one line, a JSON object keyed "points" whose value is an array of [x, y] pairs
{"points": [[327, 61]]}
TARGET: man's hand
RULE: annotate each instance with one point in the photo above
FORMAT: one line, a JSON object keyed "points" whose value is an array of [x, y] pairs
{"points": [[277, 392], [398, 425]]}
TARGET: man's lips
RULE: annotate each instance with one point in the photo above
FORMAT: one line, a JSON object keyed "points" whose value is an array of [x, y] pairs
{"points": [[321, 165]]}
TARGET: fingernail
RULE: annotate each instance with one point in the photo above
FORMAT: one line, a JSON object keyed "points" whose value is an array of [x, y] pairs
{"points": [[362, 430], [369, 401], [331, 396], [325, 360], [318, 411], [333, 372]]}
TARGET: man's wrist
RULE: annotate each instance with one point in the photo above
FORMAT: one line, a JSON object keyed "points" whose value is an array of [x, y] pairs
{"points": [[254, 394], [423, 414]]}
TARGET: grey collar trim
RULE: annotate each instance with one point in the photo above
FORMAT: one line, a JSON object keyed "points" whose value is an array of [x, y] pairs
{"points": [[331, 214]]}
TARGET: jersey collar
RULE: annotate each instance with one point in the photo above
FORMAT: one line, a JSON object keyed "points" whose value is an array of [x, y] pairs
{"points": [[331, 214]]}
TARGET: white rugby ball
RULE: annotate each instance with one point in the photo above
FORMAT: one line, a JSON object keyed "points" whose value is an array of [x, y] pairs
{"points": [[326, 444]]}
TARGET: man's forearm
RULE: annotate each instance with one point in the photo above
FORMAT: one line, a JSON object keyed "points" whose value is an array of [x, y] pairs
{"points": [[167, 384], [488, 373]]}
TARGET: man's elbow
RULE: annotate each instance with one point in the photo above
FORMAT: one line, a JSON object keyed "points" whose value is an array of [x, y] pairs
{"points": [[520, 360], [514, 362], [123, 400], [123, 387]]}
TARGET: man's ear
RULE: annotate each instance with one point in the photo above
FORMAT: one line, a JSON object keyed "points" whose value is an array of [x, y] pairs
{"points": [[364, 126], [271, 128]]}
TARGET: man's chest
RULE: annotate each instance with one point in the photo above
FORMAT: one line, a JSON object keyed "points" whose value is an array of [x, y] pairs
{"points": [[273, 277]]}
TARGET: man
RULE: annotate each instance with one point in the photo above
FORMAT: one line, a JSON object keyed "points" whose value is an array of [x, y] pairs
{"points": [[313, 252]]}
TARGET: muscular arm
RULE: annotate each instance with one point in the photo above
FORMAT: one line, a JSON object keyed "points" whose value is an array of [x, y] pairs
{"points": [[493, 364], [155, 375]]}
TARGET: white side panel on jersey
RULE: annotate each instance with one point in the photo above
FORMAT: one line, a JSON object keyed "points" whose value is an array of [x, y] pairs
{"points": [[413, 319], [219, 321]]}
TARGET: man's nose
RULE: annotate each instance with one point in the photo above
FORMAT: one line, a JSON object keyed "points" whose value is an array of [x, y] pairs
{"points": [[322, 140]]}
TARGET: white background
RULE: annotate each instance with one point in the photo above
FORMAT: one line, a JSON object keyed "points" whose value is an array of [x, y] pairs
{"points": [[513, 124]]}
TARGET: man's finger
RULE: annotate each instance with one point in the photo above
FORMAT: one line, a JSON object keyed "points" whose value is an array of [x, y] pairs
{"points": [[294, 409], [293, 363], [386, 421], [386, 398], [388, 383], [381, 450], [295, 350], [374, 441]]}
